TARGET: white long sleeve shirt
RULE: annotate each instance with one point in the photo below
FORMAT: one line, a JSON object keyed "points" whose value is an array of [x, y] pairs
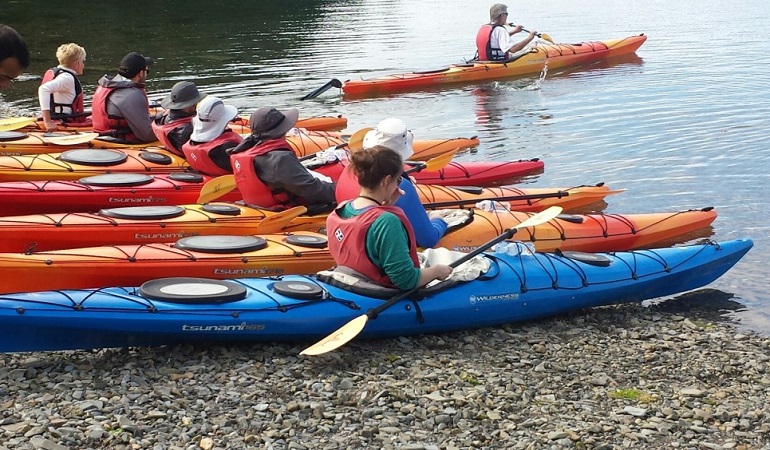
{"points": [[62, 88]]}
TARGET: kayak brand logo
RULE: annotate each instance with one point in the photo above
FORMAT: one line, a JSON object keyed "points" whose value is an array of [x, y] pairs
{"points": [[255, 271], [492, 298], [149, 199], [240, 327], [179, 235]]}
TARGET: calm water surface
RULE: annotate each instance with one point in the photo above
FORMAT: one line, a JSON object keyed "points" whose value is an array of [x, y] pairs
{"points": [[682, 124]]}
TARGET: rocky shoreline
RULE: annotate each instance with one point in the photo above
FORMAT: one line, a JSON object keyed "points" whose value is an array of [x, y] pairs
{"points": [[609, 378]]}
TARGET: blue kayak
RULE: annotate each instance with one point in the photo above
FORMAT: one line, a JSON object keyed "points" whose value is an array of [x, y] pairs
{"points": [[520, 285]]}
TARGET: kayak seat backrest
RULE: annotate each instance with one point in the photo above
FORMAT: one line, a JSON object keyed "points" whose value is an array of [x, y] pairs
{"points": [[348, 279]]}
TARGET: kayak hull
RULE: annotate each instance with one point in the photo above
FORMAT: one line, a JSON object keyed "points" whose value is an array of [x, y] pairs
{"points": [[556, 56], [148, 224], [519, 287], [135, 264]]}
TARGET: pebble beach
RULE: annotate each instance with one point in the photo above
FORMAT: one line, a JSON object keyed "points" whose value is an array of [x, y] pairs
{"points": [[672, 375]]}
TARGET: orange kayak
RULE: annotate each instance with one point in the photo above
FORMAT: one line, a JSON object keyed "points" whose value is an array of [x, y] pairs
{"points": [[35, 143], [140, 224], [544, 54], [220, 257], [317, 123]]}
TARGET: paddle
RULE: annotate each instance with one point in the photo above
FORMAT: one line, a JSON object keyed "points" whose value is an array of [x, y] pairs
{"points": [[275, 223], [509, 198], [540, 35], [216, 187], [434, 164], [69, 138], [356, 141], [351, 329], [14, 123], [330, 84]]}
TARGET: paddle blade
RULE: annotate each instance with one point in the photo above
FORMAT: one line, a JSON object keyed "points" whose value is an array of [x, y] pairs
{"points": [[440, 161], [356, 141], [216, 187], [276, 222], [338, 338], [330, 84], [69, 138], [540, 218], [546, 37], [14, 123]]}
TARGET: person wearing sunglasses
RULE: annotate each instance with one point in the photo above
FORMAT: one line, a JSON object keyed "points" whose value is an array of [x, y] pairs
{"points": [[120, 104], [14, 55], [493, 41]]}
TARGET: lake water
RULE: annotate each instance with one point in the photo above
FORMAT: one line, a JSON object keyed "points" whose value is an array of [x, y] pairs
{"points": [[682, 124]]}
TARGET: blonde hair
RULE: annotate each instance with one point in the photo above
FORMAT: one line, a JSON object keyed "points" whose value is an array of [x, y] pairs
{"points": [[69, 54]]}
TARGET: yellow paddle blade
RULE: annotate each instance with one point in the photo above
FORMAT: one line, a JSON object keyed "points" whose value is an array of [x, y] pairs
{"points": [[216, 187], [439, 162], [69, 138], [338, 338], [14, 123], [275, 223], [546, 37], [356, 141]]}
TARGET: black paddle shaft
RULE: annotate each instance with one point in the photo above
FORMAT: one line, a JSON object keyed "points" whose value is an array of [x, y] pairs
{"points": [[507, 234], [329, 84]]}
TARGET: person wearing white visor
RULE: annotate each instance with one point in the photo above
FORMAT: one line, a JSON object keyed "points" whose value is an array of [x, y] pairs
{"points": [[206, 151]]}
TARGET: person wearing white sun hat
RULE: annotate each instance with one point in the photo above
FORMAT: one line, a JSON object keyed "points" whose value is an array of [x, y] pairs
{"points": [[393, 134], [267, 171], [206, 151]]}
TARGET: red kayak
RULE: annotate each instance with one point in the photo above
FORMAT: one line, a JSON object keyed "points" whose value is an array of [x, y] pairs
{"points": [[472, 173], [143, 189]]}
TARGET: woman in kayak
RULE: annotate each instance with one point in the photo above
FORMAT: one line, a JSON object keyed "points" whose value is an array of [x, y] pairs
{"points": [[174, 127], [60, 93], [493, 41], [393, 134], [267, 171], [207, 149], [371, 225]]}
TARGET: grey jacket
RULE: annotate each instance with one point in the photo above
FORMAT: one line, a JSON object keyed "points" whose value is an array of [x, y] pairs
{"points": [[131, 104]]}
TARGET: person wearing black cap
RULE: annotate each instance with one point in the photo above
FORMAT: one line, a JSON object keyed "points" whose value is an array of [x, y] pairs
{"points": [[120, 107], [268, 172], [174, 127], [14, 55], [493, 41]]}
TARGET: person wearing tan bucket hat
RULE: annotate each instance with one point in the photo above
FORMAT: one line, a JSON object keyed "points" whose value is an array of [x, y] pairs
{"points": [[392, 133], [206, 151], [268, 172], [493, 40], [174, 127]]}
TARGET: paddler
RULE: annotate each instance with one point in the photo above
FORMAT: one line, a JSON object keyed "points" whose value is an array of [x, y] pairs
{"points": [[493, 41], [14, 55], [174, 127], [206, 151], [372, 236], [60, 92]]}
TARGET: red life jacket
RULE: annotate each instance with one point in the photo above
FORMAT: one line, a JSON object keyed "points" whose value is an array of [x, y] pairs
{"points": [[484, 44], [347, 185], [197, 153], [162, 131], [105, 124], [347, 241], [252, 188], [76, 107]]}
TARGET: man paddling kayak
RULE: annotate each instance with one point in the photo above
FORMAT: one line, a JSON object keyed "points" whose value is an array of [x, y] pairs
{"points": [[493, 41], [173, 129]]}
